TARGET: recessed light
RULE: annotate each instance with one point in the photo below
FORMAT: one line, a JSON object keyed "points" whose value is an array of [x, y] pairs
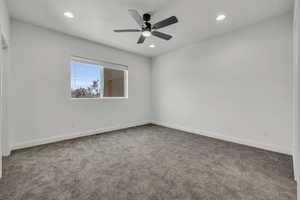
{"points": [[221, 17], [151, 45], [68, 14]]}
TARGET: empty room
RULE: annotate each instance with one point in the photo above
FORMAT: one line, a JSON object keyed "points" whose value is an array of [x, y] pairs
{"points": [[149, 100]]}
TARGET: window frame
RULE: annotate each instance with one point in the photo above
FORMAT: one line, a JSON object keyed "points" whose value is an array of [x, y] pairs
{"points": [[104, 64]]}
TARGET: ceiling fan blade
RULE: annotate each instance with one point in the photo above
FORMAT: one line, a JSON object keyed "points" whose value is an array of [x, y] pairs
{"points": [[165, 22], [136, 16], [141, 39], [127, 30], [162, 35]]}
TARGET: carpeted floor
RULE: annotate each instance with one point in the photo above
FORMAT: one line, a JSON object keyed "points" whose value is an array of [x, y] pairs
{"points": [[147, 163]]}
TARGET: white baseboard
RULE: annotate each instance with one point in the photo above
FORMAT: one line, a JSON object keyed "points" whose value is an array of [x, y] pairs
{"points": [[6, 152], [295, 165], [74, 135], [220, 136], [190, 130]]}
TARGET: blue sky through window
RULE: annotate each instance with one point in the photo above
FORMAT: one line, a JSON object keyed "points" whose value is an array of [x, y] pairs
{"points": [[83, 74]]}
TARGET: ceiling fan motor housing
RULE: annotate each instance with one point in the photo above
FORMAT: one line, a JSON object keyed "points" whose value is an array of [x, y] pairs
{"points": [[148, 26]]}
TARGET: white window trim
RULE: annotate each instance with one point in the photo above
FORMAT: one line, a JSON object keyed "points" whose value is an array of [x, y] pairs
{"points": [[105, 64]]}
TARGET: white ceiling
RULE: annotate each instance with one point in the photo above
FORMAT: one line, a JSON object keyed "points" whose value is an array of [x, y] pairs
{"points": [[95, 19]]}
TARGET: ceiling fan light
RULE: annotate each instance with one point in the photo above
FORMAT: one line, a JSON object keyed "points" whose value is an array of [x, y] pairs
{"points": [[146, 33]]}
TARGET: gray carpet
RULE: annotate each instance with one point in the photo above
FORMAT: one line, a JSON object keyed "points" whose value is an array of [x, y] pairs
{"points": [[147, 163]]}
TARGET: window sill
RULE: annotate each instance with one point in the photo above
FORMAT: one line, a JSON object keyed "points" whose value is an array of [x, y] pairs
{"points": [[114, 98], [97, 99]]}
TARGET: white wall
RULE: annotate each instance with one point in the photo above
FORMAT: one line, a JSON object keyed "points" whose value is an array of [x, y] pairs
{"points": [[296, 102], [236, 87], [4, 62], [297, 55], [40, 109], [4, 19]]}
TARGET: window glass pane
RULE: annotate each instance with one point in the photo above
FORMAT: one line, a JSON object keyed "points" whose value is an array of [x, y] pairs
{"points": [[86, 80], [114, 83]]}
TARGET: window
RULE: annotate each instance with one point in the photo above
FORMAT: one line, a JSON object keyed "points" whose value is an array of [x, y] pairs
{"points": [[97, 79]]}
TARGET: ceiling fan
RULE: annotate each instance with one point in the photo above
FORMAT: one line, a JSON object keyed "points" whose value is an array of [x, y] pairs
{"points": [[146, 28]]}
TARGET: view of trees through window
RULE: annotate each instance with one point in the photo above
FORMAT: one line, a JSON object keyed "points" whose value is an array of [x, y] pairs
{"points": [[94, 81], [86, 80]]}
